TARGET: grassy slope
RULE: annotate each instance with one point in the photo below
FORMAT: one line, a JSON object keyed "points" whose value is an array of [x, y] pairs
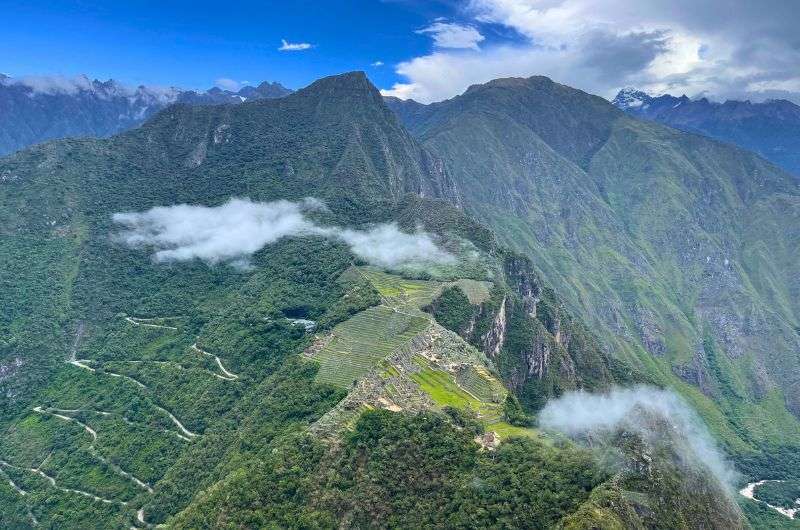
{"points": [[634, 223]]}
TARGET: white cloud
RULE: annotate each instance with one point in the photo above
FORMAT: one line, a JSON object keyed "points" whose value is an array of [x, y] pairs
{"points": [[230, 84], [633, 409], [53, 84], [377, 63], [442, 75], [739, 50], [386, 246], [293, 46], [236, 230], [452, 35]]}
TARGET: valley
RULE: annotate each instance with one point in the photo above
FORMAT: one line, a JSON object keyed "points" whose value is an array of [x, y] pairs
{"points": [[447, 271]]}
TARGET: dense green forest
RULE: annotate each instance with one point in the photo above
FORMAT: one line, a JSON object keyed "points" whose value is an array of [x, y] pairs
{"points": [[305, 386]]}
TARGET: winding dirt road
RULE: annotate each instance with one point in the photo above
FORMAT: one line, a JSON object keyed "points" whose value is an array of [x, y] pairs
{"points": [[52, 481], [118, 470], [229, 376], [144, 322]]}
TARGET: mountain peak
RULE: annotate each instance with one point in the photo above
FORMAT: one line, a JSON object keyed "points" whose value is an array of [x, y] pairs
{"points": [[631, 98], [741, 122], [345, 87], [356, 80]]}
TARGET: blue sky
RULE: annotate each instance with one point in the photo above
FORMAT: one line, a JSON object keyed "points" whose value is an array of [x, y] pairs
{"points": [[191, 44], [431, 50]]}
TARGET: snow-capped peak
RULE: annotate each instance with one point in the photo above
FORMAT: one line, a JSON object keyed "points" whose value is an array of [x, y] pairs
{"points": [[629, 98]]}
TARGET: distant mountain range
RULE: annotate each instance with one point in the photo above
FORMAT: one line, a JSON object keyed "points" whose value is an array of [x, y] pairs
{"points": [[37, 109], [771, 128]]}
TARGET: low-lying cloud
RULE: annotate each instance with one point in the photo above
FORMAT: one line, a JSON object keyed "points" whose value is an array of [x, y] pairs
{"points": [[236, 230], [580, 413], [55, 85]]}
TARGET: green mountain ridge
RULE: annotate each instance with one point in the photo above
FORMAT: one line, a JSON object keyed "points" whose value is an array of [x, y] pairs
{"points": [[657, 238], [198, 396]]}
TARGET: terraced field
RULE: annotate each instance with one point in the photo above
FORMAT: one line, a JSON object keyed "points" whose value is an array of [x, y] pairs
{"points": [[477, 291], [480, 383], [446, 392], [359, 344], [401, 292], [373, 354]]}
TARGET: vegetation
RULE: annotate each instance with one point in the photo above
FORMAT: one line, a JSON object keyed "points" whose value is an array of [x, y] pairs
{"points": [[656, 239], [452, 309], [199, 395], [401, 471], [783, 494]]}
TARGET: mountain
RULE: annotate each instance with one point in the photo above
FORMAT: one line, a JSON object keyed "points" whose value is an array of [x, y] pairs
{"points": [[217, 96], [308, 145], [679, 251], [771, 128], [282, 314], [33, 110]]}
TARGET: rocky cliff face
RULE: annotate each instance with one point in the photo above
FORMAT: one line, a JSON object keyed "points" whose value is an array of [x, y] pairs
{"points": [[540, 350]]}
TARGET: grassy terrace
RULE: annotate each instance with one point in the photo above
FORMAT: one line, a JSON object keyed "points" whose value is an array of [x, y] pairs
{"points": [[363, 341], [481, 384], [446, 392], [443, 389], [360, 343]]}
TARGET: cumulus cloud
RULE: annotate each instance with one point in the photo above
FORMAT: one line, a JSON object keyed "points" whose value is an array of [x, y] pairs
{"points": [[293, 46], [452, 35], [236, 230], [377, 63], [581, 413], [714, 48]]}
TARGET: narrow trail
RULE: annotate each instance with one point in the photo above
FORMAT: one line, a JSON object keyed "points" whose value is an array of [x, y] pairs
{"points": [[749, 492], [127, 377], [21, 492], [81, 363], [180, 426], [52, 481], [229, 376], [176, 365], [118, 470], [88, 429], [75, 411], [11, 483], [144, 323]]}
